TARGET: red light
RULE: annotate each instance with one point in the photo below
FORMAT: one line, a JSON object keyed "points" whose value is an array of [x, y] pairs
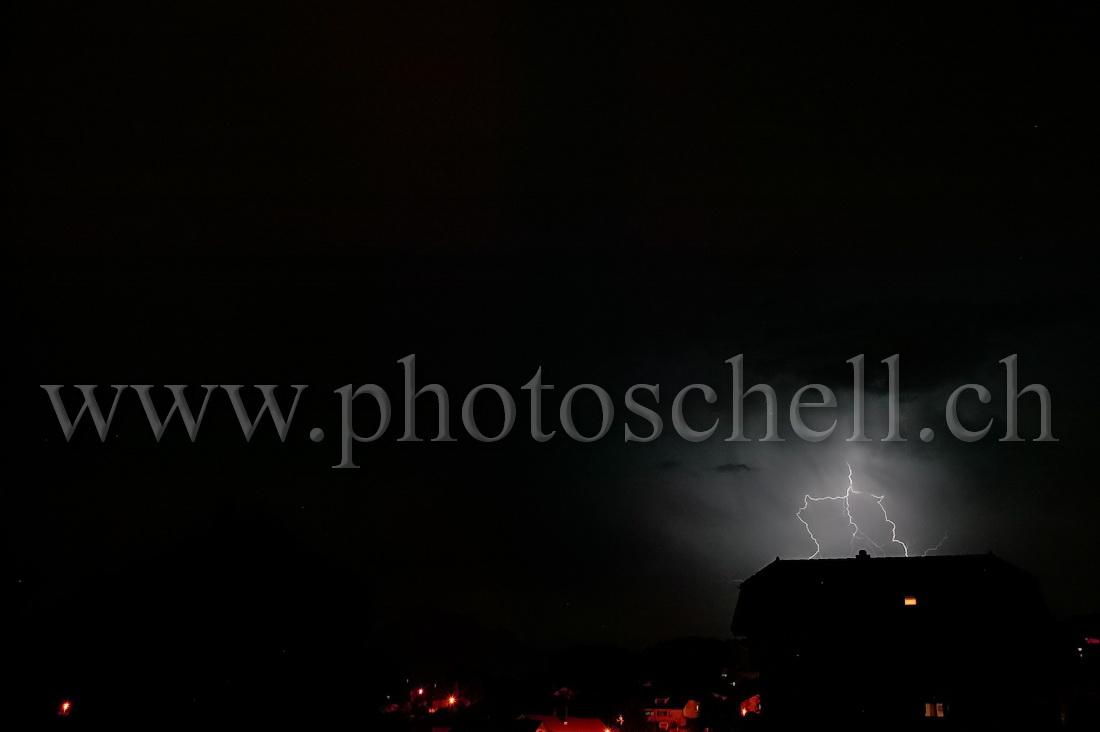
{"points": [[451, 700], [419, 691], [63, 710], [1093, 641]]}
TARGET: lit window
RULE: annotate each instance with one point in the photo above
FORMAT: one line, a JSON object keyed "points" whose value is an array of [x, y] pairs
{"points": [[910, 600], [935, 709]]}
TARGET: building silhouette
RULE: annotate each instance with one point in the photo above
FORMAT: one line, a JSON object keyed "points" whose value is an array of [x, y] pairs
{"points": [[949, 642]]}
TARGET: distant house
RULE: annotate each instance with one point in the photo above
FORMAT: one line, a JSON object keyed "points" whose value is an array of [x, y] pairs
{"points": [[671, 712], [449, 701], [569, 724], [899, 641]]}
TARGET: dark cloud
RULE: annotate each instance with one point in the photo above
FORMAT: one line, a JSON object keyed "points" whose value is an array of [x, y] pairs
{"points": [[458, 211]]}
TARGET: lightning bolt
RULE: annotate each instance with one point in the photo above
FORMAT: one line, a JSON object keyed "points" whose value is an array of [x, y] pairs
{"points": [[936, 548], [857, 533]]}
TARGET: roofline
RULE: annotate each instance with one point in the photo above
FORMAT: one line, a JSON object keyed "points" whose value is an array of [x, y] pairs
{"points": [[932, 558]]}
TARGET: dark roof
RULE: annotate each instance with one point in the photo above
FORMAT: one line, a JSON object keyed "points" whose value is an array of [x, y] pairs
{"points": [[496, 725], [866, 566], [657, 701], [785, 589], [572, 724]]}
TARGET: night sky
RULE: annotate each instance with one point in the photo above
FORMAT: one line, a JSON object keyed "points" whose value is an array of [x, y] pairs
{"points": [[281, 193]]}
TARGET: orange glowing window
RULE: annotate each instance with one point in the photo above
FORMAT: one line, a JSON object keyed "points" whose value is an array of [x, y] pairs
{"points": [[935, 709], [910, 600]]}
